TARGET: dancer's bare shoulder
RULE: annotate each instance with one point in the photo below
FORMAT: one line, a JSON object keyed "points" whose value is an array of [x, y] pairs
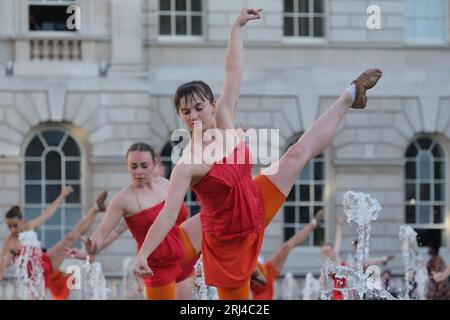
{"points": [[121, 199]]}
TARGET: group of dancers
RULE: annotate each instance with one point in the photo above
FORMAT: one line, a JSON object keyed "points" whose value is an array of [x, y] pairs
{"points": [[235, 207]]}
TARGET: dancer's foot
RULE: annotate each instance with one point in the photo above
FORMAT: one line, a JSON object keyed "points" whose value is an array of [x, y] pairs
{"points": [[365, 81], [100, 202], [258, 277]]}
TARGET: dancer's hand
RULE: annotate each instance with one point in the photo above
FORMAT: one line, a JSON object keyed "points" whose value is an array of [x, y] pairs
{"points": [[65, 191], [75, 253], [247, 14], [90, 245], [340, 220], [439, 276], [140, 267]]}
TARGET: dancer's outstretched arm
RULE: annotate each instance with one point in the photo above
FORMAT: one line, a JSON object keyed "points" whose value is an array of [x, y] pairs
{"points": [[179, 185], [234, 65], [115, 234], [82, 254], [280, 256], [110, 221], [50, 211]]}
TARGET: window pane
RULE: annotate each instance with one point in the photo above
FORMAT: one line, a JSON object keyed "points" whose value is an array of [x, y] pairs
{"points": [[425, 192], [53, 137], [73, 215], [438, 213], [35, 148], [436, 151], [289, 214], [318, 27], [304, 193], [52, 191], [55, 219], [410, 192], [288, 5], [303, 27], [52, 237], [305, 174], [181, 27], [439, 189], [318, 6], [73, 170], [411, 152], [424, 166], [303, 6], [288, 26], [180, 5], [32, 213], [291, 195], [164, 5], [424, 214], [304, 215], [53, 166], [410, 170], [164, 25], [426, 237], [71, 148], [74, 197], [196, 5], [33, 170], [410, 214], [424, 143], [318, 171], [196, 25], [318, 190], [48, 18], [193, 210], [32, 194], [439, 170], [288, 233]]}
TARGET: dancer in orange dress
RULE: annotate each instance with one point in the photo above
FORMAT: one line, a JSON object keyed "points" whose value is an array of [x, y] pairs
{"points": [[236, 208], [265, 274]]}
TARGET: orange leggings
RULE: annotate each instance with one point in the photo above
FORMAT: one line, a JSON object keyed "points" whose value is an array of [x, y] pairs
{"points": [[166, 292], [271, 200], [240, 293]]}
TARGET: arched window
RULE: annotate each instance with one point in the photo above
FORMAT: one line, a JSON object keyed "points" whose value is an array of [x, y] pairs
{"points": [[425, 190], [305, 200], [166, 159], [52, 160]]}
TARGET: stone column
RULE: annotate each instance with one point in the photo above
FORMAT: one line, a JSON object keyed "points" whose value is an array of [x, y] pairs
{"points": [[126, 37]]}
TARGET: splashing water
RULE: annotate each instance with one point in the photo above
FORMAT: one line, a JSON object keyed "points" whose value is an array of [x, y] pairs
{"points": [[201, 290], [29, 273], [312, 288], [289, 288], [416, 274], [93, 283], [129, 283], [341, 282]]}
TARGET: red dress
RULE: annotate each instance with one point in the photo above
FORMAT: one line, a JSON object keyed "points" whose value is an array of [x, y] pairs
{"points": [[232, 220], [166, 258]]}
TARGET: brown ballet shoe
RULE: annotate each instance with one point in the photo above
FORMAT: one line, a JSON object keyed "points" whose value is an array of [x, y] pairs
{"points": [[100, 202], [365, 81], [258, 277]]}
